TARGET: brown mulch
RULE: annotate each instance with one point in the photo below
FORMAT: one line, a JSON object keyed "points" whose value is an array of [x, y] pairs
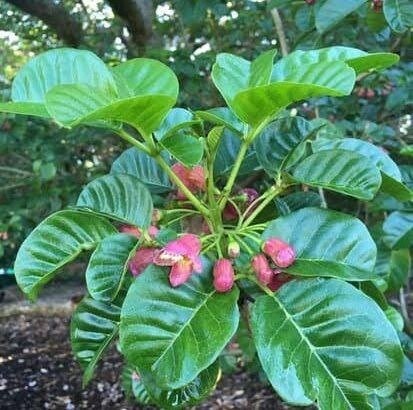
{"points": [[38, 371]]}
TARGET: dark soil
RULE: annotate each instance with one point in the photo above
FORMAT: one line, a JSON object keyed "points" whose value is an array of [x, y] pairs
{"points": [[38, 371]]}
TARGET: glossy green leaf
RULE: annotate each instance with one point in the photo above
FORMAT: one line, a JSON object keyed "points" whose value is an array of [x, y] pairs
{"points": [[227, 152], [185, 148], [278, 141], [175, 333], [396, 188], [140, 165], [394, 267], [108, 266], [144, 76], [230, 75], [222, 116], [357, 59], [93, 328], [399, 14], [184, 397], [118, 196], [25, 108], [370, 289], [310, 334], [298, 200], [407, 175], [214, 138], [398, 230], [261, 68], [327, 243], [56, 67], [342, 171], [332, 12], [257, 104], [395, 318], [56, 241], [391, 176], [71, 105], [177, 119]]}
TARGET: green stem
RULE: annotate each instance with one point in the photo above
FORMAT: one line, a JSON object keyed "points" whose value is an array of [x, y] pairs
{"points": [[129, 138], [270, 195], [175, 179], [234, 173]]}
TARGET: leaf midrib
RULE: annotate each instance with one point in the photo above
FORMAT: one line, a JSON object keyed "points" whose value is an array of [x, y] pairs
{"points": [[313, 350], [170, 345]]}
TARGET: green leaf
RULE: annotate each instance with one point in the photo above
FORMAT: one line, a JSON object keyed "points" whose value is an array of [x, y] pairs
{"points": [[214, 138], [222, 116], [398, 230], [175, 333], [56, 67], [278, 141], [144, 76], [176, 120], [75, 104], [342, 171], [230, 75], [391, 176], [25, 108], [357, 59], [407, 175], [311, 333], [327, 243], [395, 188], [332, 12], [93, 327], [140, 165], [298, 200], [189, 395], [185, 148], [118, 196], [395, 318], [108, 266], [227, 152], [261, 68], [56, 241], [394, 267], [399, 14], [258, 104]]}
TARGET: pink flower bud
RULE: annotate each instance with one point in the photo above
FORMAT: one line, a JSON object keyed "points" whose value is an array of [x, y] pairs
{"points": [[262, 268], [224, 275], [140, 261], [285, 257], [282, 254], [130, 230], [233, 249]]}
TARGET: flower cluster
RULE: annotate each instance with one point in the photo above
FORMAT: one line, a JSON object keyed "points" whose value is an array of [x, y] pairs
{"points": [[281, 255], [182, 254]]}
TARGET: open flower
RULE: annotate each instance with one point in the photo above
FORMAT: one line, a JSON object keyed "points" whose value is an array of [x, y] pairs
{"points": [[282, 254], [182, 255], [141, 260], [224, 275], [193, 178]]}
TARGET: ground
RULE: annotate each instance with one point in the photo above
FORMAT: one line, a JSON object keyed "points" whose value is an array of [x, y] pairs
{"points": [[38, 371]]}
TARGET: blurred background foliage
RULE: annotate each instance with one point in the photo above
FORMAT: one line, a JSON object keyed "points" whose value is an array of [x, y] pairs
{"points": [[43, 167]]}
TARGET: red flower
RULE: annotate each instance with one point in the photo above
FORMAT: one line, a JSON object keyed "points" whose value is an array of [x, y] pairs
{"points": [[224, 275], [182, 255], [282, 254], [262, 268], [193, 178], [140, 261]]}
